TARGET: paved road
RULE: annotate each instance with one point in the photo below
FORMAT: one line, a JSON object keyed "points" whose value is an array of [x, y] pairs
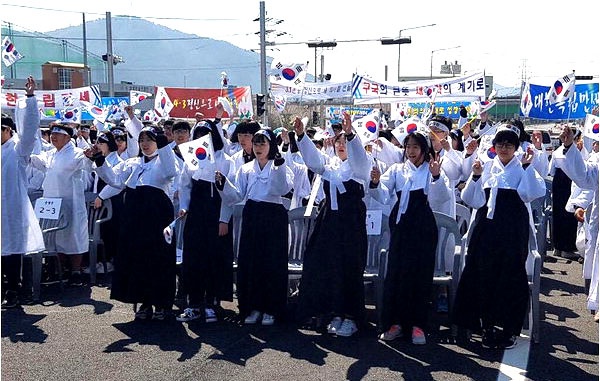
{"points": [[80, 334]]}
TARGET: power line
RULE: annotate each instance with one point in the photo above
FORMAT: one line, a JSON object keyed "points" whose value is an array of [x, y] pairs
{"points": [[103, 14]]}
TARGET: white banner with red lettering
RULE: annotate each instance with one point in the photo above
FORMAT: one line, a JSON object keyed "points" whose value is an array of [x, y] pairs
{"points": [[367, 91], [52, 99]]}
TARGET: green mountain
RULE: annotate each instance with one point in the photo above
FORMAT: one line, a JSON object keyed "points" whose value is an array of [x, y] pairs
{"points": [[156, 55]]}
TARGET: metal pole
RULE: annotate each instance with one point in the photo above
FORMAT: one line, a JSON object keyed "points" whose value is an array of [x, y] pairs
{"points": [[263, 59], [109, 54], [385, 73], [322, 66], [316, 64], [399, 45], [86, 73], [431, 66]]}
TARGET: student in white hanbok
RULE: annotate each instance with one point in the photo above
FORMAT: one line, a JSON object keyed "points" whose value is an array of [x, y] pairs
{"points": [[585, 175], [417, 182], [109, 230], [21, 232], [145, 264], [262, 275], [67, 171], [332, 287], [207, 269], [493, 292]]}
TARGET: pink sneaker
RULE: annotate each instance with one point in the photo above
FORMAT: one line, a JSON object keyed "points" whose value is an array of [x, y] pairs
{"points": [[391, 334], [418, 336]]}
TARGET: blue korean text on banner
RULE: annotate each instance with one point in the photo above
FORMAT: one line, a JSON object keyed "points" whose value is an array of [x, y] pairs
{"points": [[578, 106]]}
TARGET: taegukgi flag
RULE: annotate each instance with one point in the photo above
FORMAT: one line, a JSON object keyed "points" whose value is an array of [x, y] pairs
{"points": [[162, 103], [562, 89], [136, 97], [10, 55], [591, 128], [526, 102], [367, 127], [199, 152], [292, 75]]}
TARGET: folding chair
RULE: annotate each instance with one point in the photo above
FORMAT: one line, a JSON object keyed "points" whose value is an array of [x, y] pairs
{"points": [[96, 217], [300, 229], [49, 228], [449, 238], [376, 267], [463, 217]]}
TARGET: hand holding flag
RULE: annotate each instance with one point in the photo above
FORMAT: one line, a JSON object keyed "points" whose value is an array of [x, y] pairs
{"points": [[198, 153], [562, 89]]}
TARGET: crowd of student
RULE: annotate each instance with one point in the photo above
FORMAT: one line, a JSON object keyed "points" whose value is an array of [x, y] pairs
{"points": [[495, 169]]}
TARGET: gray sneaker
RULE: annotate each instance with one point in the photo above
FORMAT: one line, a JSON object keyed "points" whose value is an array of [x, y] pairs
{"points": [[347, 329]]}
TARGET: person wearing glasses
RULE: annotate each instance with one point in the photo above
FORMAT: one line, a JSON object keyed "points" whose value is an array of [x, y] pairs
{"points": [[493, 292]]}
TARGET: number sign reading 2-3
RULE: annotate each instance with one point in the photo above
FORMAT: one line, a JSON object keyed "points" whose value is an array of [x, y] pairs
{"points": [[48, 208], [373, 222]]}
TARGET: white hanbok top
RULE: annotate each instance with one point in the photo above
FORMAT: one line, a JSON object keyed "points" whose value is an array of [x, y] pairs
{"points": [[252, 183], [21, 231], [66, 173]]}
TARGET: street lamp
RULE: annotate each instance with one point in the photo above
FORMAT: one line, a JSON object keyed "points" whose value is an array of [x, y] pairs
{"points": [[320, 44], [401, 40], [431, 61]]}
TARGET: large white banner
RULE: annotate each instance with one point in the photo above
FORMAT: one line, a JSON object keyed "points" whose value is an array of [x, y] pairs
{"points": [[314, 91], [53, 99], [366, 91]]}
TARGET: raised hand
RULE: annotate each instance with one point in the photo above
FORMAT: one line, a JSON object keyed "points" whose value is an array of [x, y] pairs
{"points": [[435, 164], [566, 136], [30, 86], [346, 123], [298, 126], [528, 156], [477, 168], [472, 146], [375, 175], [220, 110]]}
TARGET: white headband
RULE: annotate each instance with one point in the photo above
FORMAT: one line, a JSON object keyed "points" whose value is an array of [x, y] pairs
{"points": [[438, 125], [509, 127], [59, 130]]}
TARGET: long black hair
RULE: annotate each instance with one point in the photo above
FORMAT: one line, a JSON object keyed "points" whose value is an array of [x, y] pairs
{"points": [[208, 127], [266, 135], [423, 141]]}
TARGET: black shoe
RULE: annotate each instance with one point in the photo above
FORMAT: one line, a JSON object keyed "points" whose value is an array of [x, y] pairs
{"points": [[75, 279], [488, 338], [144, 312], [11, 300], [508, 342]]}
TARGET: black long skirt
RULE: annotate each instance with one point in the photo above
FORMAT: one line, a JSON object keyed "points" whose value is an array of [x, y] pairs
{"points": [[564, 224], [335, 258], [145, 265], [411, 260], [493, 289], [207, 258], [262, 275]]}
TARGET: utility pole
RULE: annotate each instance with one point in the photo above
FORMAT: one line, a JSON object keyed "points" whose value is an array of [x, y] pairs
{"points": [[109, 54], [263, 58], [86, 74]]}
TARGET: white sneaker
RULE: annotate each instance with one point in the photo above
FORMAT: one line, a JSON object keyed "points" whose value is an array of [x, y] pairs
{"points": [[347, 329], [253, 318], [268, 319], [335, 324]]}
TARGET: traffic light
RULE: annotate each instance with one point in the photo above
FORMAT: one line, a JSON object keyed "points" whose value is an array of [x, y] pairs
{"points": [[260, 104]]}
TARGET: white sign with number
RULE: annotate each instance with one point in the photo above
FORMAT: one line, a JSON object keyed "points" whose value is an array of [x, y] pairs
{"points": [[374, 222], [48, 208]]}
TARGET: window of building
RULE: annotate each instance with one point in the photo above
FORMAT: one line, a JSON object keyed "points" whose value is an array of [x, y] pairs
{"points": [[64, 78]]}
